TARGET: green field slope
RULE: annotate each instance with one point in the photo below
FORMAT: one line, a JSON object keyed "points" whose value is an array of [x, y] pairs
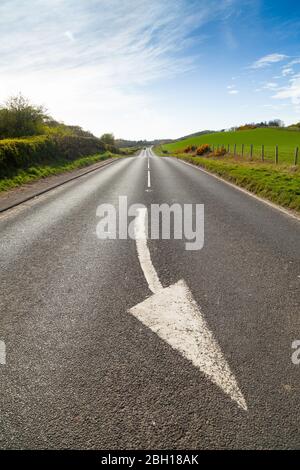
{"points": [[286, 140]]}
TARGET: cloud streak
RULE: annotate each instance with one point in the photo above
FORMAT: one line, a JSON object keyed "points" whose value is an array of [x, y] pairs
{"points": [[268, 60], [291, 91], [129, 41], [270, 86], [98, 53]]}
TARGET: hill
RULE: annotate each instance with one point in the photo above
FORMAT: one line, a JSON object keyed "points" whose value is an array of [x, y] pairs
{"points": [[286, 140], [195, 134]]}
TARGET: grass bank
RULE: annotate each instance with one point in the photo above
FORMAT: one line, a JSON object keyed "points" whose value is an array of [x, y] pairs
{"points": [[56, 167], [37, 151], [280, 184]]}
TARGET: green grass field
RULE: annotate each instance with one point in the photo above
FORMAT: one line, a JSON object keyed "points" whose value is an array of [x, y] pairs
{"points": [[286, 140]]}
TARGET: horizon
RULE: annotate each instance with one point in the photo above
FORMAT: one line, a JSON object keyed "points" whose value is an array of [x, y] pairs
{"points": [[158, 72]]}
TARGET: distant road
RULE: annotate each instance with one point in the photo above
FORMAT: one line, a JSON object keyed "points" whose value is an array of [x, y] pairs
{"points": [[96, 354]]}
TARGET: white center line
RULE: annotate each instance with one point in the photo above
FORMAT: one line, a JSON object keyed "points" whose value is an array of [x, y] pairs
{"points": [[144, 253], [149, 179]]}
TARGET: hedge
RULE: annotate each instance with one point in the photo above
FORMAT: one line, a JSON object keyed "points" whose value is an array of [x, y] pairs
{"points": [[20, 154]]}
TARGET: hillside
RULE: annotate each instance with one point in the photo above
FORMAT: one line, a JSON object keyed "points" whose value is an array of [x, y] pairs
{"points": [[195, 134], [286, 140]]}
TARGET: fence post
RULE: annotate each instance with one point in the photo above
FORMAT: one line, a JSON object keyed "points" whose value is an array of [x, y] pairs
{"points": [[276, 154], [262, 153], [242, 150], [234, 152], [296, 155], [251, 151]]}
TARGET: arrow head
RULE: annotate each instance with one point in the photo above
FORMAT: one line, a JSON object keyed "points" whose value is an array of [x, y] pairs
{"points": [[174, 316]]}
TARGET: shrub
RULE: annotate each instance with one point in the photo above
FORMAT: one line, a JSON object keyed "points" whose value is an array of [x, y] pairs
{"points": [[204, 148], [246, 127], [220, 152], [190, 148], [18, 118], [20, 154], [108, 139]]}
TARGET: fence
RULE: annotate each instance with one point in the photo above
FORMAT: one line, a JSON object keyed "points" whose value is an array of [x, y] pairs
{"points": [[260, 152]]}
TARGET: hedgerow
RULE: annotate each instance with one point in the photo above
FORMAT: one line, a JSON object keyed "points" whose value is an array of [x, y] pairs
{"points": [[20, 154]]}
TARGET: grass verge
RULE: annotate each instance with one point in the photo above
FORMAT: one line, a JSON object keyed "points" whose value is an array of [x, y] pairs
{"points": [[54, 168], [280, 184]]}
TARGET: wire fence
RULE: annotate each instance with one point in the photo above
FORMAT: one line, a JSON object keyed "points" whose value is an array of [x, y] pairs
{"points": [[264, 153]]}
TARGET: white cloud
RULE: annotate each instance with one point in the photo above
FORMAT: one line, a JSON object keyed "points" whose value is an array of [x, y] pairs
{"points": [[274, 107], [87, 61], [291, 91], [231, 90], [69, 35], [268, 60], [294, 62], [270, 86], [111, 35], [287, 71]]}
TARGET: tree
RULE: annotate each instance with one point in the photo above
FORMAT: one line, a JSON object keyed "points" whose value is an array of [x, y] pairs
{"points": [[20, 118], [276, 123], [108, 139]]}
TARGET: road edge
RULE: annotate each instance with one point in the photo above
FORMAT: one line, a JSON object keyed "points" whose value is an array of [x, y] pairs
{"points": [[285, 211], [57, 185]]}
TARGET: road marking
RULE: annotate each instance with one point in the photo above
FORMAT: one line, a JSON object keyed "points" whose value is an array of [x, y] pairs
{"points": [[149, 179], [173, 314], [2, 353], [148, 164], [144, 253]]}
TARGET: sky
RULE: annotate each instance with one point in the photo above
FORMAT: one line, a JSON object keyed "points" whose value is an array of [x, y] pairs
{"points": [[153, 69]]}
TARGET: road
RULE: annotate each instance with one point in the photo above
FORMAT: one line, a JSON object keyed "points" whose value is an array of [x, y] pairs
{"points": [[82, 370]]}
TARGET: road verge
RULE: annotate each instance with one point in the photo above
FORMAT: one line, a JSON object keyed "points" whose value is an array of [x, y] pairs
{"points": [[24, 193], [280, 185]]}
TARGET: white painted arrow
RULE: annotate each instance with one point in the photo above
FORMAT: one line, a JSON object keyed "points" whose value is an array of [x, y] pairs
{"points": [[174, 316], [2, 353]]}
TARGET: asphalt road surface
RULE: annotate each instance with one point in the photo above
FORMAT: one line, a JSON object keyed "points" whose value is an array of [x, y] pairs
{"points": [[91, 354]]}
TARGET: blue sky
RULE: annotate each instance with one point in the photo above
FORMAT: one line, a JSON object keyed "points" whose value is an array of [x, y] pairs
{"points": [[155, 69]]}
